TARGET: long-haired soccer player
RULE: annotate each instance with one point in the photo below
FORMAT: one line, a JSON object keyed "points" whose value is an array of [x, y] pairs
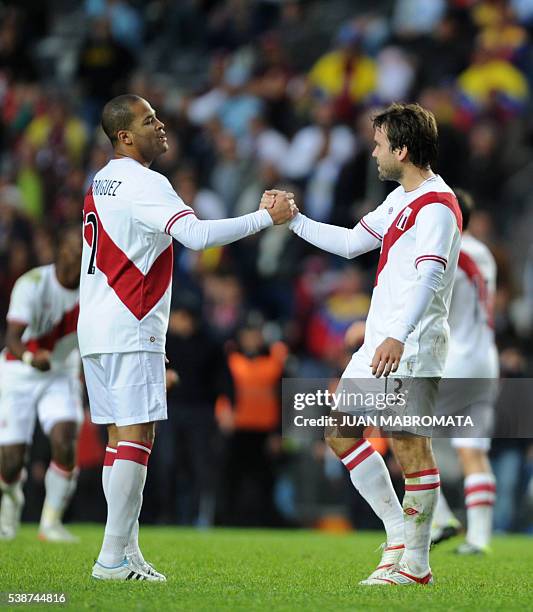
{"points": [[418, 228]]}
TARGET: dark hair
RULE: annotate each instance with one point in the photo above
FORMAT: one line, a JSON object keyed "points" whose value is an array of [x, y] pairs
{"points": [[117, 115], [411, 126], [466, 204]]}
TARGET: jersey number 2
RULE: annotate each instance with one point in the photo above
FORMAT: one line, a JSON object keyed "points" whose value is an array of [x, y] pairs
{"points": [[92, 220]]}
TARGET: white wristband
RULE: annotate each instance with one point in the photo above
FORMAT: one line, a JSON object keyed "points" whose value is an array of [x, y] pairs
{"points": [[27, 357]]}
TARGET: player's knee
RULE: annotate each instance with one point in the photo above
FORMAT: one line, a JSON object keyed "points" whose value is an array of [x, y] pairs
{"points": [[11, 463], [63, 446]]}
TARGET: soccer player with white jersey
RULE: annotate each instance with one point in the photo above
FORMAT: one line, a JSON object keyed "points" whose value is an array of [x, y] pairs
{"points": [[131, 214], [40, 375], [418, 229], [472, 355]]}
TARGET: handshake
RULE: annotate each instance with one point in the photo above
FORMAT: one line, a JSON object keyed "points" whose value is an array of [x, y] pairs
{"points": [[280, 205]]}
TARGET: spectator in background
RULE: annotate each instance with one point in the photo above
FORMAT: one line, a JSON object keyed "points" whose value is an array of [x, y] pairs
{"points": [[204, 201], [230, 172], [492, 84], [315, 157], [103, 67], [257, 369], [345, 74], [187, 454]]}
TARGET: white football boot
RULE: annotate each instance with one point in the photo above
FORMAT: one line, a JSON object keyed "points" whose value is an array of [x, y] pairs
{"points": [[391, 556], [57, 533], [146, 567], [127, 570], [401, 575]]}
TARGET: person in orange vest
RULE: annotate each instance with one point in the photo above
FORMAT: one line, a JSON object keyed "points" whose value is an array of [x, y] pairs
{"points": [[257, 370]]}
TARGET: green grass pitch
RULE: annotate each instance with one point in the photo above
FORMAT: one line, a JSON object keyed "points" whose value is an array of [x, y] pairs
{"points": [[223, 569]]}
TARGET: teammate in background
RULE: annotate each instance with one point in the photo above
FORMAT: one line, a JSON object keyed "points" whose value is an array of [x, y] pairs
{"points": [[418, 228], [40, 374], [131, 214], [473, 355]]}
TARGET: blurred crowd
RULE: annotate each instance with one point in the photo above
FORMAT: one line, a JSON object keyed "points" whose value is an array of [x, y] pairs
{"points": [[260, 94]]}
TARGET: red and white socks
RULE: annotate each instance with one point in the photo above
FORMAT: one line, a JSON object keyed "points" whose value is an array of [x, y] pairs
{"points": [[60, 484], [133, 547], [419, 503], [480, 495], [371, 478], [123, 480]]}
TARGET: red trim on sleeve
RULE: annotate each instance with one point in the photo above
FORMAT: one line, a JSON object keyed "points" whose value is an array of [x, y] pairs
{"points": [[370, 230], [175, 218], [437, 258]]}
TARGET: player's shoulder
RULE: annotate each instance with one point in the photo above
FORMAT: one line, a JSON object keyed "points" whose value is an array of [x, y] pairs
{"points": [[35, 276], [478, 250]]}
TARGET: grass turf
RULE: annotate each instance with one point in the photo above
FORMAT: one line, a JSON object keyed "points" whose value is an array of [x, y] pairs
{"points": [[224, 569]]}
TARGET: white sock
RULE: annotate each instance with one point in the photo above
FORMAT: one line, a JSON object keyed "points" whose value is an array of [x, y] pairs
{"points": [[480, 495], [371, 478], [60, 485], [443, 515], [124, 499], [133, 544], [419, 503]]}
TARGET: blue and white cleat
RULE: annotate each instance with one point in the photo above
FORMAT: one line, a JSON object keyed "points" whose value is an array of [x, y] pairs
{"points": [[147, 568], [127, 570]]}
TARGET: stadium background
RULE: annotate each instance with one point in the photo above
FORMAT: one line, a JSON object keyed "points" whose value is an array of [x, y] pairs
{"points": [[255, 94]]}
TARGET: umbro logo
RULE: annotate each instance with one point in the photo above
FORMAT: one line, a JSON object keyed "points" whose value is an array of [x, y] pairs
{"points": [[411, 511]]}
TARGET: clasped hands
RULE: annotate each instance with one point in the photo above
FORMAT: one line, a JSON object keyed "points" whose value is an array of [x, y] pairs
{"points": [[280, 205]]}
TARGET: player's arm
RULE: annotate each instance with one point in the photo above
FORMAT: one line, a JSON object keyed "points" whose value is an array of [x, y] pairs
{"points": [[366, 236], [40, 359], [22, 304], [435, 227], [167, 213]]}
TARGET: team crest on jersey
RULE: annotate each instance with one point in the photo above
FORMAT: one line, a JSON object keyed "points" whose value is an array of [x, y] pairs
{"points": [[402, 221]]}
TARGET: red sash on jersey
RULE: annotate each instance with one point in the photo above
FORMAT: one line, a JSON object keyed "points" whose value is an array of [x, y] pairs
{"points": [[137, 291], [472, 271], [402, 223], [67, 325]]}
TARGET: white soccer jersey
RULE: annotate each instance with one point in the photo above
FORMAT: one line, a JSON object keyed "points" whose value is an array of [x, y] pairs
{"points": [[50, 312], [126, 272], [473, 352], [422, 224]]}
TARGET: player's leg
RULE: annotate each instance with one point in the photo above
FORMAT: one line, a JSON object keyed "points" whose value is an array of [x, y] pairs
{"points": [[415, 455], [12, 477], [480, 492], [133, 551], [60, 482], [60, 414], [135, 388], [368, 472], [124, 489], [445, 523], [17, 418]]}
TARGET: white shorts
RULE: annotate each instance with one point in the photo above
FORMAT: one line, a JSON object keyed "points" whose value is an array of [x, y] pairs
{"points": [[418, 393], [55, 397], [126, 388]]}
